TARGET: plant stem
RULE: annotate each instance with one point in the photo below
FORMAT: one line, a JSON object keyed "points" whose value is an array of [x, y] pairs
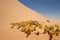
{"points": [[50, 37]]}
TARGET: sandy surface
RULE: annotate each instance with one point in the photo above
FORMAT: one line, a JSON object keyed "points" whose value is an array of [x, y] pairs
{"points": [[13, 11]]}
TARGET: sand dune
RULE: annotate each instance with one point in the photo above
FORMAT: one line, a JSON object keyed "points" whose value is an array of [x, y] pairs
{"points": [[13, 11]]}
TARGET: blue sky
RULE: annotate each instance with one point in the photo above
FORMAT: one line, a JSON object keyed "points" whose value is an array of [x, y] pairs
{"points": [[48, 8]]}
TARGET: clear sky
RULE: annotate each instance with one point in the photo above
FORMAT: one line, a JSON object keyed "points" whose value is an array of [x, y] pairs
{"points": [[48, 8]]}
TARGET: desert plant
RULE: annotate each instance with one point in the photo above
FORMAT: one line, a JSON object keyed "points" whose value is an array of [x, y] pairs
{"points": [[51, 30], [29, 26]]}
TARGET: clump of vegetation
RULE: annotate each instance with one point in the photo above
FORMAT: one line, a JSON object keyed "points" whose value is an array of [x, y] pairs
{"points": [[51, 30], [30, 26]]}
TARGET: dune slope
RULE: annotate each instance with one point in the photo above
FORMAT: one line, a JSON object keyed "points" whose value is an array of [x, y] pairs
{"points": [[13, 11]]}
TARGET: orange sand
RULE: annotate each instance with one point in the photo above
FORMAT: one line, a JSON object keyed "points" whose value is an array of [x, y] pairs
{"points": [[13, 11]]}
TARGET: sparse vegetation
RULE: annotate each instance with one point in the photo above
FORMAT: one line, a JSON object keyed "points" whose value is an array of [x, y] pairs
{"points": [[29, 26]]}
